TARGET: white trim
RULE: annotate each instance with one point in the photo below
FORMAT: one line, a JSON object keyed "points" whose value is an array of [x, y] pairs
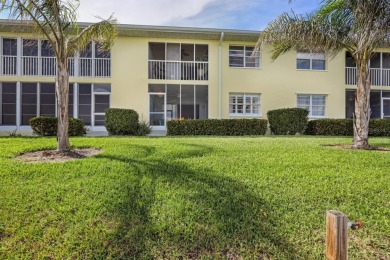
{"points": [[245, 57], [18, 104], [311, 104], [301, 55], [164, 112], [39, 99], [383, 99], [75, 100], [244, 96], [18, 56]]}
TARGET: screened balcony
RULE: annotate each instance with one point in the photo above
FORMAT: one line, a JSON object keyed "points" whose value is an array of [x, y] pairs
{"points": [[178, 61], [379, 69], [36, 58]]}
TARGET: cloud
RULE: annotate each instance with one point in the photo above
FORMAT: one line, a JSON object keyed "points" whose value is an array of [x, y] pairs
{"points": [[156, 12], [233, 14]]}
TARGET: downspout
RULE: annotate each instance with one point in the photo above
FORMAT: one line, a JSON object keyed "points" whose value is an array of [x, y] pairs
{"points": [[220, 76]]}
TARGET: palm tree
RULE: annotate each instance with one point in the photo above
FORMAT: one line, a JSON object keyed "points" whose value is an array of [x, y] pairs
{"points": [[56, 21], [358, 26]]}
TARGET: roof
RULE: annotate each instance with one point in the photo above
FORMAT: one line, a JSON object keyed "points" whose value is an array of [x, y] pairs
{"points": [[148, 31]]}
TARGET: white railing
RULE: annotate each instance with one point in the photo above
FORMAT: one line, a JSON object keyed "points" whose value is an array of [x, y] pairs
{"points": [[85, 67], [46, 66], [30, 65], [379, 77], [102, 67], [71, 66], [9, 65], [178, 70]]}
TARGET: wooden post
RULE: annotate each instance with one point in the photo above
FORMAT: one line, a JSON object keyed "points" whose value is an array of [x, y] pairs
{"points": [[336, 235]]}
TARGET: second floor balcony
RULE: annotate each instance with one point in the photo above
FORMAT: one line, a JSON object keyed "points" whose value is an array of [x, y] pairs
{"points": [[379, 70], [178, 61], [37, 59]]}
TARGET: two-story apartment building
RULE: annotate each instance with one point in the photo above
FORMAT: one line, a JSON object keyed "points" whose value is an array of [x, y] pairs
{"points": [[167, 73]]}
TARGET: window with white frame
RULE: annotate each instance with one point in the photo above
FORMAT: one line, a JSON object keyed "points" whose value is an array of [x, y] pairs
{"points": [[243, 57], [310, 61], [314, 103], [244, 104]]}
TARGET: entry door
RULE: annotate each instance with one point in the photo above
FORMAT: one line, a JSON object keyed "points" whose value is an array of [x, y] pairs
{"points": [[157, 116], [386, 107], [101, 103]]}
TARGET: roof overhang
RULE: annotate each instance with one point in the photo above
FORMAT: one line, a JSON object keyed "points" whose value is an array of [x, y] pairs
{"points": [[130, 30]]}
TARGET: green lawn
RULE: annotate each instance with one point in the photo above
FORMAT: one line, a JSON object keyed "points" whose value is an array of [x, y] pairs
{"points": [[193, 198]]}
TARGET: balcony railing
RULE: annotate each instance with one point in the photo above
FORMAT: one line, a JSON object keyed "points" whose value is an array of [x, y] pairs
{"points": [[9, 65], [178, 70], [46, 66], [378, 77]]}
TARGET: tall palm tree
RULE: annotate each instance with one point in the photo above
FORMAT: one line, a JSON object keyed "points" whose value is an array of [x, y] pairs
{"points": [[56, 20], [358, 26]]}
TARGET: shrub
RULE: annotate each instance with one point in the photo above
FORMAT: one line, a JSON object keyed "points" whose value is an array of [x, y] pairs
{"points": [[76, 127], [47, 126], [379, 127], [288, 121], [341, 127], [344, 127], [121, 121], [223, 127], [143, 128]]}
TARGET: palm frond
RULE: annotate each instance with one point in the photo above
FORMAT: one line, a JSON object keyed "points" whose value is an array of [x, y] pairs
{"points": [[297, 32], [103, 32]]}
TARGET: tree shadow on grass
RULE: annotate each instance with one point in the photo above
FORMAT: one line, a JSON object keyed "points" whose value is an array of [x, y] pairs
{"points": [[171, 208]]}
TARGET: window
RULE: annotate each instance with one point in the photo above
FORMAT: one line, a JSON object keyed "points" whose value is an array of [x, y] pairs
{"points": [[8, 103], [241, 57], [178, 61], [244, 104], [29, 57], [310, 61], [314, 103], [29, 102], [85, 103], [10, 49], [47, 99]]}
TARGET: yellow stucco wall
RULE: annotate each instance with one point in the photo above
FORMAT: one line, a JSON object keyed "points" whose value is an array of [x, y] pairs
{"points": [[278, 82]]}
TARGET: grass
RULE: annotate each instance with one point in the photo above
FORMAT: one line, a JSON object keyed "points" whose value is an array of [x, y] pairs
{"points": [[202, 198]]}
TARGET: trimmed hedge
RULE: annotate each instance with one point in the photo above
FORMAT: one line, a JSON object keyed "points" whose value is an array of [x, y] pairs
{"points": [[288, 121], [121, 121], [344, 127], [340, 127], [222, 127], [47, 126]]}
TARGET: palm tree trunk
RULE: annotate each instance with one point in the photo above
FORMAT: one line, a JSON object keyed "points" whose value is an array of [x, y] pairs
{"points": [[62, 93], [362, 107]]}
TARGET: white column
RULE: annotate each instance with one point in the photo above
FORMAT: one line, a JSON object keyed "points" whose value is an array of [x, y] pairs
{"points": [[18, 105], [75, 100], [93, 59], [19, 57], [39, 57], [38, 99]]}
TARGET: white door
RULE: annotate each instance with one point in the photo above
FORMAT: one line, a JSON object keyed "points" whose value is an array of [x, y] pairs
{"points": [[101, 103], [386, 107], [157, 115]]}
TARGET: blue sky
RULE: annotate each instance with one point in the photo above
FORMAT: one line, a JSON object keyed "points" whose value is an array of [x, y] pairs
{"points": [[227, 14]]}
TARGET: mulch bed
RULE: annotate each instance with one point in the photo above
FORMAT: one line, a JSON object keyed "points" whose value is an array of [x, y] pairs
{"points": [[52, 156]]}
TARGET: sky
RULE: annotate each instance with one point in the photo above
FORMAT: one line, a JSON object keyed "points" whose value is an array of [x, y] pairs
{"points": [[224, 14]]}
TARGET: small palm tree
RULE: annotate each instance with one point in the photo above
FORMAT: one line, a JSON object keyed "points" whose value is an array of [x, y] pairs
{"points": [[358, 26], [56, 20]]}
